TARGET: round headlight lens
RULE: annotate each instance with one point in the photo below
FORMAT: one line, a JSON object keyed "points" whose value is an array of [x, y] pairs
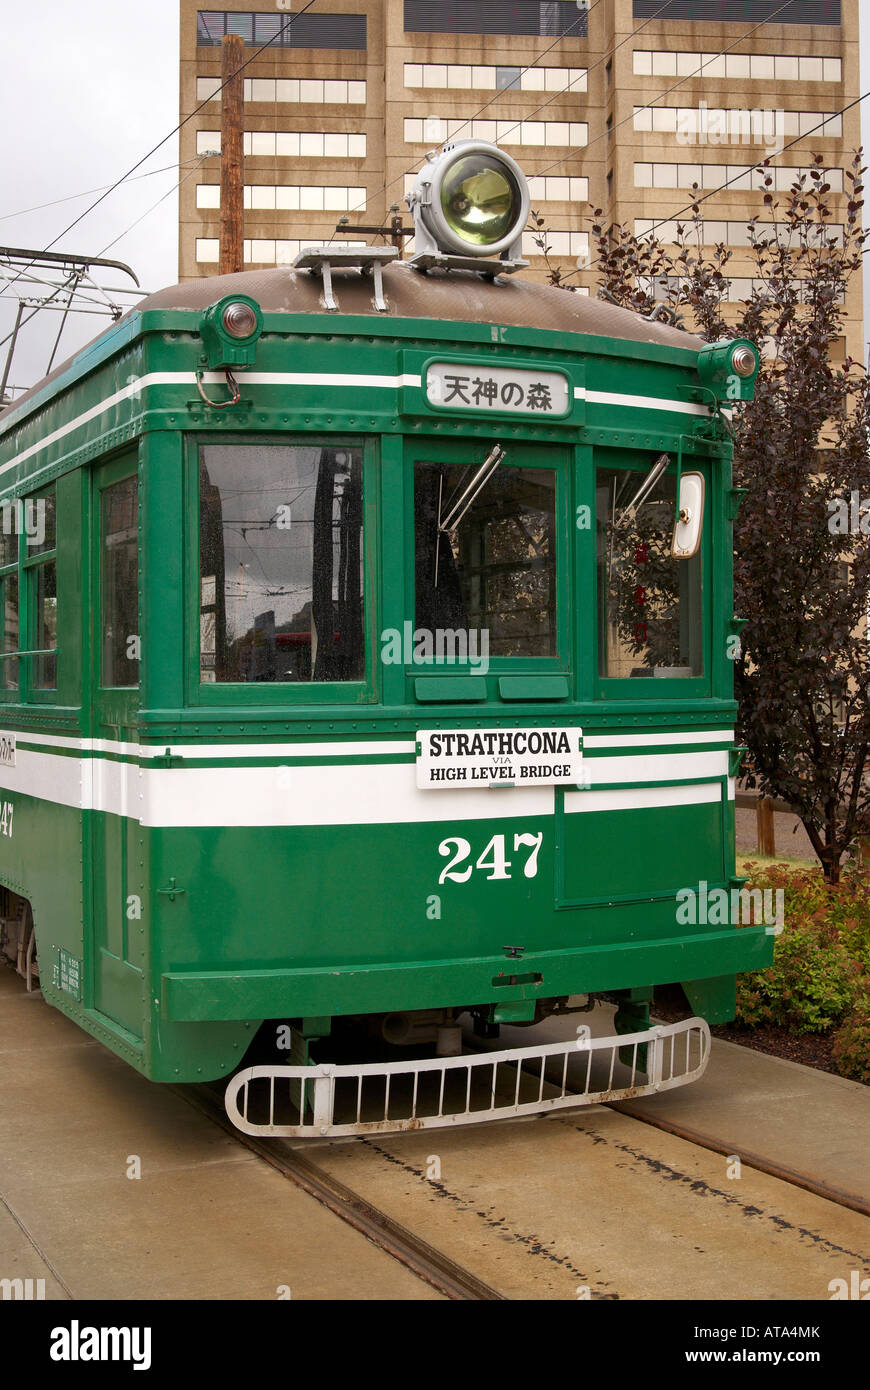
{"points": [[743, 361], [239, 320], [480, 199]]}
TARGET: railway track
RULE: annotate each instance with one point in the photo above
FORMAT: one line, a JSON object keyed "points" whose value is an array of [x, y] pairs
{"points": [[750, 1159], [429, 1264], [388, 1199]]}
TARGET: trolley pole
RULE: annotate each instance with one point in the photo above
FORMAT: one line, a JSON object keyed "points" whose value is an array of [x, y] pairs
{"points": [[232, 155]]}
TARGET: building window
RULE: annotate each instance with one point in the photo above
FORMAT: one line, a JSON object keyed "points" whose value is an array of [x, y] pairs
{"points": [[548, 189], [270, 197], [276, 29], [735, 233], [436, 129], [711, 125], [291, 144], [757, 66], [560, 243], [713, 175], [544, 18], [335, 91], [505, 78], [281, 563], [743, 11], [259, 250], [458, 76]]}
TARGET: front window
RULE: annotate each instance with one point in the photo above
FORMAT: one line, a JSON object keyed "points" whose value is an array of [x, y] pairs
{"points": [[649, 604], [281, 563], [491, 567]]}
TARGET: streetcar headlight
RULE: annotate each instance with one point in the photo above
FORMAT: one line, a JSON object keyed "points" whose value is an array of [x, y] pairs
{"points": [[230, 330], [730, 369], [472, 199], [240, 319]]}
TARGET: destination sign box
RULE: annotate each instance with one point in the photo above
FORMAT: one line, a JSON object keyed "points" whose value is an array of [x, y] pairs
{"points": [[498, 757], [512, 389]]}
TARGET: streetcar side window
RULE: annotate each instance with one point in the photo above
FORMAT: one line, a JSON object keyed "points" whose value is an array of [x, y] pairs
{"points": [[120, 583], [28, 595], [492, 570], [649, 604], [9, 591], [281, 563]]}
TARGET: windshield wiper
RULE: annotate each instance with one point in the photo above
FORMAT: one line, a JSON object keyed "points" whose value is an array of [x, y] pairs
{"points": [[453, 512], [643, 492]]}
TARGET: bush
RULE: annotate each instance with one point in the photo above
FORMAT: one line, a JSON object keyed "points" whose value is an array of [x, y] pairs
{"points": [[809, 988], [820, 977], [852, 1044]]}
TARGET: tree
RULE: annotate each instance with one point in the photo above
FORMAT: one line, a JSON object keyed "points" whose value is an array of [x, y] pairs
{"points": [[802, 560]]}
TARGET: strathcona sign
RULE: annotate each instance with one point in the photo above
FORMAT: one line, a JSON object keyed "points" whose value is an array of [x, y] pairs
{"points": [[506, 757]]}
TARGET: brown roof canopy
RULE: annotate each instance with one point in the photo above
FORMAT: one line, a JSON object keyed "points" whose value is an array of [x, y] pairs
{"points": [[462, 296]]}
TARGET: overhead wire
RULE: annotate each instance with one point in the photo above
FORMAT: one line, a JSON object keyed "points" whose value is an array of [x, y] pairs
{"points": [[111, 188], [361, 207]]}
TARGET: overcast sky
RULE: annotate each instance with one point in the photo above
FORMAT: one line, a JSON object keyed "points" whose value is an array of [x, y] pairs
{"points": [[85, 92]]}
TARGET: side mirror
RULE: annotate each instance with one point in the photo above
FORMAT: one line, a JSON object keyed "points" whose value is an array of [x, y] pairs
{"points": [[690, 517]]}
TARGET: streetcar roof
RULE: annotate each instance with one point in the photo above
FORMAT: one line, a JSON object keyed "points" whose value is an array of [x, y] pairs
{"points": [[458, 295]]}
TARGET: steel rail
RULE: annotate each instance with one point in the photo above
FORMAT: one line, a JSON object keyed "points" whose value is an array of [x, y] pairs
{"points": [[410, 1250], [752, 1160]]}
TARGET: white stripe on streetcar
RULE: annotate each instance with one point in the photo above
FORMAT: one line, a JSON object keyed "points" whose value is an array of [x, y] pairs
{"points": [[357, 748], [387, 383], [324, 794]]}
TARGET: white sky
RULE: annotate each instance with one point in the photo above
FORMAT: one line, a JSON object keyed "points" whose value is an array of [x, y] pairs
{"points": [[85, 91]]}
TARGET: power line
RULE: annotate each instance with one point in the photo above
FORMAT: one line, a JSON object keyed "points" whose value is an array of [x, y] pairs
{"points": [[830, 117], [564, 34], [197, 164], [648, 106], [713, 191], [283, 29], [61, 289], [72, 197]]}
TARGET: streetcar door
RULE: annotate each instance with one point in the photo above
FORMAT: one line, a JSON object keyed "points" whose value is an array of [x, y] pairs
{"points": [[117, 952]]}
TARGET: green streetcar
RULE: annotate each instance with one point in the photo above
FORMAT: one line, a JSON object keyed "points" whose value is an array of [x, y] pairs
{"points": [[367, 660]]}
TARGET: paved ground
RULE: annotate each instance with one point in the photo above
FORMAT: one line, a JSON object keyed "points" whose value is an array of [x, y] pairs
{"points": [[802, 1119], [792, 841], [594, 1203], [206, 1219]]}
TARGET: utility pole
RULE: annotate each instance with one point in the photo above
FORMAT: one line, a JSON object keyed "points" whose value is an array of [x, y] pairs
{"points": [[232, 155]]}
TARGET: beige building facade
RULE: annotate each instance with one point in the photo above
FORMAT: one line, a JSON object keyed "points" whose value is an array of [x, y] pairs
{"points": [[601, 103]]}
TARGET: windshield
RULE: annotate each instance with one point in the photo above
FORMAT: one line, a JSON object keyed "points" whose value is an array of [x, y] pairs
{"points": [[493, 570]]}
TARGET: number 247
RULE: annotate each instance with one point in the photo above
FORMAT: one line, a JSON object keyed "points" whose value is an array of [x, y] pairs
{"points": [[493, 857]]}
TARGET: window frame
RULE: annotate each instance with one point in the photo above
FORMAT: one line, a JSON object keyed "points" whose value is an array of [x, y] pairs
{"points": [[26, 567], [263, 694], [558, 457], [637, 687]]}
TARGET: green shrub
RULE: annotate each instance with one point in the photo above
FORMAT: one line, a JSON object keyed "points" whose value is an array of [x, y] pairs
{"points": [[820, 978], [811, 985], [852, 1044]]}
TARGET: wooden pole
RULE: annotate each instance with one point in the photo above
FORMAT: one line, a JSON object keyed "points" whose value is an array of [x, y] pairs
{"points": [[232, 155], [766, 838]]}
